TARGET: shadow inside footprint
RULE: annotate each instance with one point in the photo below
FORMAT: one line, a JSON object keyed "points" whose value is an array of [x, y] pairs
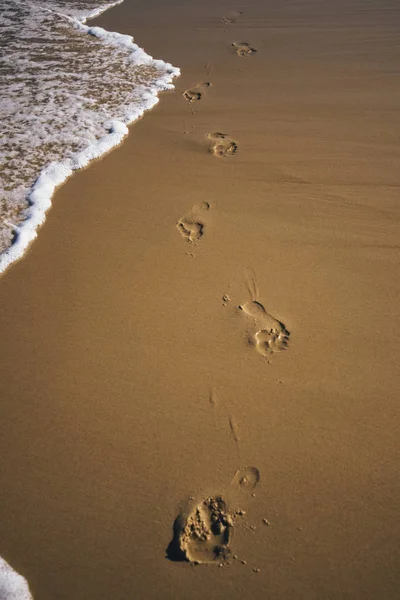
{"points": [[243, 49], [223, 144], [201, 534]]}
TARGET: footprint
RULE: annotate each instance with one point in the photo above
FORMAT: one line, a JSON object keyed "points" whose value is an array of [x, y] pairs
{"points": [[223, 144], [272, 340], [246, 478], [202, 534], [191, 226], [231, 18], [195, 94], [243, 49], [271, 335], [190, 229]]}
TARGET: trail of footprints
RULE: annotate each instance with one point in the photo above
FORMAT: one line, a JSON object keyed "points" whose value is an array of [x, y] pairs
{"points": [[222, 144], [202, 532]]}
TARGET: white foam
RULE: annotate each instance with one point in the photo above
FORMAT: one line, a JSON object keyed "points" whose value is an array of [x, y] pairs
{"points": [[79, 112], [12, 585], [96, 12]]}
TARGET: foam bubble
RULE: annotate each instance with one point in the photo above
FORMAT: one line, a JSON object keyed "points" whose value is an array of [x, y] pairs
{"points": [[69, 91], [12, 585]]}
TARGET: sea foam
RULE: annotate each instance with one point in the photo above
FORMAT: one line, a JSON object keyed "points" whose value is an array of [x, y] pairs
{"points": [[68, 93], [12, 585]]}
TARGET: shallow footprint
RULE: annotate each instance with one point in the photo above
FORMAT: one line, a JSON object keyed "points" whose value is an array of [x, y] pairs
{"points": [[223, 144], [243, 49], [272, 335], [202, 534], [191, 226], [231, 18], [246, 478], [195, 93]]}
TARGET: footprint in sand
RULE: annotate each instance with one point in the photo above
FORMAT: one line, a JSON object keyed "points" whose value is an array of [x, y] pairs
{"points": [[195, 93], [231, 18], [223, 145], [192, 225], [243, 48], [271, 335], [202, 533], [246, 478]]}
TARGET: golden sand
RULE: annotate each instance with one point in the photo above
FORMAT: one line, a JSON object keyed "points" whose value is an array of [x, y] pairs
{"points": [[131, 381]]}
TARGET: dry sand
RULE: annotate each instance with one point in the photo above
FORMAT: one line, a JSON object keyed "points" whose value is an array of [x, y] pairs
{"points": [[130, 379]]}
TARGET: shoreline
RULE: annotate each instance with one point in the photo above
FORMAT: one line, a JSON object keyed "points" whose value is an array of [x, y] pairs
{"points": [[56, 173], [131, 380]]}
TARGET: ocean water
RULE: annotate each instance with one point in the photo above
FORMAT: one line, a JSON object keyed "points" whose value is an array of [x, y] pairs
{"points": [[67, 93], [12, 585]]}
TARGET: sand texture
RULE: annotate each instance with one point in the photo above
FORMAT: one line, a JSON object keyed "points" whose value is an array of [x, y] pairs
{"points": [[199, 353]]}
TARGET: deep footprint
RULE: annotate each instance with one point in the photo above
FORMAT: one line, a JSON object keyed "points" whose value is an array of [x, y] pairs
{"points": [[243, 49], [223, 144], [195, 94], [272, 335], [202, 535]]}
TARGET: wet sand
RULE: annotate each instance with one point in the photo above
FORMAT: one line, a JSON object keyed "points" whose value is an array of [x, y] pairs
{"points": [[131, 380]]}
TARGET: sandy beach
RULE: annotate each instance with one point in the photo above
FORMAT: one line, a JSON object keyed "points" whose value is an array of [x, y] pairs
{"points": [[185, 316]]}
